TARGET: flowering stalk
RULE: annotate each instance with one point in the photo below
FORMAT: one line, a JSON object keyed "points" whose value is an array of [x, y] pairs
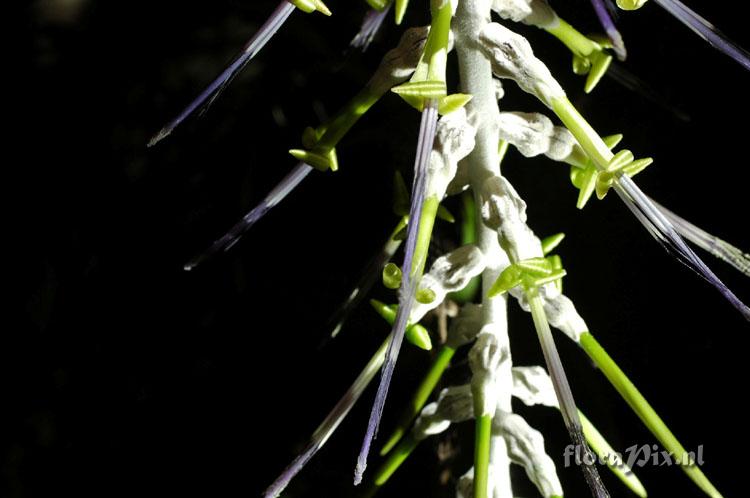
{"points": [[256, 43], [506, 253], [561, 313], [562, 388], [513, 58], [533, 386]]}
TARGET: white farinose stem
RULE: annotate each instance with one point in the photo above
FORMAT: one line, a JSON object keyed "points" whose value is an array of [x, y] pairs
{"points": [[476, 79]]}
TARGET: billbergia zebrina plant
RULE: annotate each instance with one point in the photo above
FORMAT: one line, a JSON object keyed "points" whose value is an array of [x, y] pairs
{"points": [[463, 137]]}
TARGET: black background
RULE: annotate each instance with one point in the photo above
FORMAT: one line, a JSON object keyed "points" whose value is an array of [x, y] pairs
{"points": [[127, 376]]}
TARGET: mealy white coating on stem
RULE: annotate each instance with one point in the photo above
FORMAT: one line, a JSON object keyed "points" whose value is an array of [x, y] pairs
{"points": [[486, 358], [533, 12], [476, 79], [504, 211], [526, 448], [533, 134], [512, 58], [499, 89]]}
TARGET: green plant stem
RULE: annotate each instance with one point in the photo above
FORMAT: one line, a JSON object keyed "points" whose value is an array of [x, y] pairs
{"points": [[482, 438], [573, 39], [468, 236], [395, 459], [643, 409], [426, 223], [605, 452], [334, 131], [437, 49], [586, 136], [425, 388]]}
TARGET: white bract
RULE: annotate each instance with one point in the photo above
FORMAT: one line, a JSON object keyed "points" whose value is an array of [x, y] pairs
{"points": [[526, 448], [454, 405], [512, 58], [533, 134], [449, 273], [534, 12]]}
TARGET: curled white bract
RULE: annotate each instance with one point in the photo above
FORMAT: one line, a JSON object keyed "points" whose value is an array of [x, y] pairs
{"points": [[504, 211], [449, 273], [454, 405], [534, 12], [526, 448], [512, 58], [454, 140], [533, 134]]}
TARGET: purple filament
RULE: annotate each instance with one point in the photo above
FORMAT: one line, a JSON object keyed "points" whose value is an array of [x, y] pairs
{"points": [[706, 30], [409, 281], [564, 394], [665, 233], [710, 243], [265, 33], [329, 424], [605, 18], [371, 25], [275, 196]]}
